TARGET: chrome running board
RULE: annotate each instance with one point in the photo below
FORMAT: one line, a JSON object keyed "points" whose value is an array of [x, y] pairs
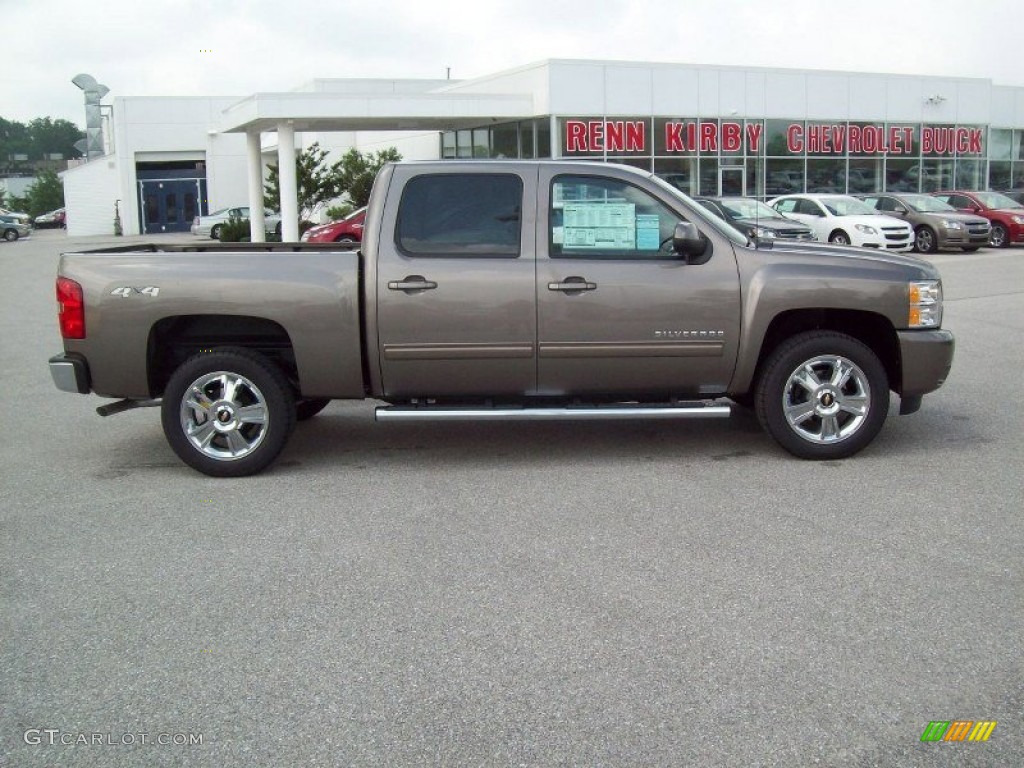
{"points": [[697, 410]]}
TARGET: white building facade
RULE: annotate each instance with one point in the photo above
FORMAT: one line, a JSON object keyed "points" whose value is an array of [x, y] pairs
{"points": [[708, 130]]}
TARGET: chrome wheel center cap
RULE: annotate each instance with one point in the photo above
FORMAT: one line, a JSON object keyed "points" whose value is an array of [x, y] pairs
{"points": [[224, 416], [828, 403]]}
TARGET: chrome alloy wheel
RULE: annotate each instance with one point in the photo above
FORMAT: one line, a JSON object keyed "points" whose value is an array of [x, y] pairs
{"points": [[224, 415], [826, 399]]}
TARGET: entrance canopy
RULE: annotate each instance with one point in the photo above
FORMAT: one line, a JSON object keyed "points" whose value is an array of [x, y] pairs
{"points": [[383, 109]]}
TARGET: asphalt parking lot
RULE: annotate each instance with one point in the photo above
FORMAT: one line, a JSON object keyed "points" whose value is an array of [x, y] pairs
{"points": [[606, 594]]}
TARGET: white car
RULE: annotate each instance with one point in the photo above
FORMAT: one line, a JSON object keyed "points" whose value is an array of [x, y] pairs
{"points": [[210, 224], [845, 220]]}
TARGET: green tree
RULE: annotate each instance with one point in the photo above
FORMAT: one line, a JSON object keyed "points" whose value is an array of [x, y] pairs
{"points": [[358, 170], [45, 194], [316, 180]]}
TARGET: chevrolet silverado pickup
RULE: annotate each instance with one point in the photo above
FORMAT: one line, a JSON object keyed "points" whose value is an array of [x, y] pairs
{"points": [[504, 290]]}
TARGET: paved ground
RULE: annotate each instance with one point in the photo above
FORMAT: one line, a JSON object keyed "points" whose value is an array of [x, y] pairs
{"points": [[513, 594]]}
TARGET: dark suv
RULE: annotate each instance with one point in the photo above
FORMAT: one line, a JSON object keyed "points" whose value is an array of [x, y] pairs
{"points": [[936, 224], [755, 219]]}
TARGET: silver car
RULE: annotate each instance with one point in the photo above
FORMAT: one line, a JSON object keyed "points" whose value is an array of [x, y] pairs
{"points": [[209, 225], [12, 228]]}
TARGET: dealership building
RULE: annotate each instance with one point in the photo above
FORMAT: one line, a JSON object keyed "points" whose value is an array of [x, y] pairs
{"points": [[708, 130]]}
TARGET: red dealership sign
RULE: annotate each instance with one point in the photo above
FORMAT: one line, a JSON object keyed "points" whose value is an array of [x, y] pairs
{"points": [[689, 136]]}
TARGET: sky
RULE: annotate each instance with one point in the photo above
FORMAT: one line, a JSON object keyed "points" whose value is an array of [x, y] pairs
{"points": [[240, 47]]}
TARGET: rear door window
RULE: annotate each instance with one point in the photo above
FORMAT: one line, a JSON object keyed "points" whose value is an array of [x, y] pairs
{"points": [[460, 215]]}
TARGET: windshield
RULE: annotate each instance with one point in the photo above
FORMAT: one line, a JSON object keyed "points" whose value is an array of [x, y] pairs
{"points": [[705, 216], [996, 200], [744, 208], [927, 204], [847, 206]]}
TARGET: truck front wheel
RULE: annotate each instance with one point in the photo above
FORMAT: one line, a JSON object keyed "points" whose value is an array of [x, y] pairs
{"points": [[228, 413], [823, 395]]}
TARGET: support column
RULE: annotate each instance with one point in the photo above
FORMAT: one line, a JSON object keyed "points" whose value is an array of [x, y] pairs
{"points": [[257, 219], [288, 182]]}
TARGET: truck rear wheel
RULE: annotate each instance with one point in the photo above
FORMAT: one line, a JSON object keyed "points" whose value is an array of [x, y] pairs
{"points": [[823, 395], [228, 413]]}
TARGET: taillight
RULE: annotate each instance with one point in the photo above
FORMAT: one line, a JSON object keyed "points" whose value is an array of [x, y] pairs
{"points": [[70, 309]]}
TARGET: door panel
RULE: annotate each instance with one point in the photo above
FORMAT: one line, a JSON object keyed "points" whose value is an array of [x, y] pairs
{"points": [[455, 285], [618, 313]]}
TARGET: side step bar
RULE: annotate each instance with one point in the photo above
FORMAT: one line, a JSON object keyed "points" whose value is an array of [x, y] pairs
{"points": [[697, 410]]}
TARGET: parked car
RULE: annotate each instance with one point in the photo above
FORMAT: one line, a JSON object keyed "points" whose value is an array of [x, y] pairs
{"points": [[936, 224], [755, 219], [52, 219], [1017, 195], [346, 230], [18, 215], [210, 224], [11, 228], [845, 220], [1006, 215]]}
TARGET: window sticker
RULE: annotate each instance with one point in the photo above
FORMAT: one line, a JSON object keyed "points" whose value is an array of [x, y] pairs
{"points": [[648, 232], [606, 226]]}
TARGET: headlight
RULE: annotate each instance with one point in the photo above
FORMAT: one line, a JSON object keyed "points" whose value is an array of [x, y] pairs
{"points": [[924, 304], [1018, 219], [764, 234], [866, 229], [952, 224]]}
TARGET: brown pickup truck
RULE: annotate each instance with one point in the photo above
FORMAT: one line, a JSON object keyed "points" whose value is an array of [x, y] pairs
{"points": [[505, 290]]}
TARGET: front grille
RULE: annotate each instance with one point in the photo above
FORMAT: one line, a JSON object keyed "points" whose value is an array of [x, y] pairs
{"points": [[896, 233], [791, 235], [978, 230]]}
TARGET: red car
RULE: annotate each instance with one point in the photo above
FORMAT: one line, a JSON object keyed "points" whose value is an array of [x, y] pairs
{"points": [[348, 230], [1006, 215]]}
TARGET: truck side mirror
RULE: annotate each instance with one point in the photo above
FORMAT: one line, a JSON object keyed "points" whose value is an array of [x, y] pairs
{"points": [[687, 240]]}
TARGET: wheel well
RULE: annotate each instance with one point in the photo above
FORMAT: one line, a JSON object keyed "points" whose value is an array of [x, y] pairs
{"points": [[175, 339], [873, 330], [838, 231]]}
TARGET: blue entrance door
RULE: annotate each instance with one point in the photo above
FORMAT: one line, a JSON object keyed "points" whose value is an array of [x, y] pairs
{"points": [[169, 205]]}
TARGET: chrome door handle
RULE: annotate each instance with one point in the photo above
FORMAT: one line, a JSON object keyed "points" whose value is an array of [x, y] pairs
{"points": [[411, 284], [574, 284]]}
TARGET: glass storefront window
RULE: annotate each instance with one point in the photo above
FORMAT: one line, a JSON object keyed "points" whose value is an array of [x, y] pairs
{"points": [[681, 173], [865, 176], [526, 140], [903, 139], [969, 174], [902, 175], [1000, 144], [826, 176], [481, 142], [999, 175], [543, 137], [783, 177], [708, 176], [464, 143], [776, 137], [448, 145], [937, 175], [755, 179], [675, 136], [505, 141]]}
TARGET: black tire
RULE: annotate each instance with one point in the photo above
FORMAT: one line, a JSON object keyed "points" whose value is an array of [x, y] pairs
{"points": [[215, 232], [746, 400], [998, 238], [10, 235], [925, 240], [253, 381], [817, 429], [307, 409], [839, 238], [969, 248], [346, 239]]}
